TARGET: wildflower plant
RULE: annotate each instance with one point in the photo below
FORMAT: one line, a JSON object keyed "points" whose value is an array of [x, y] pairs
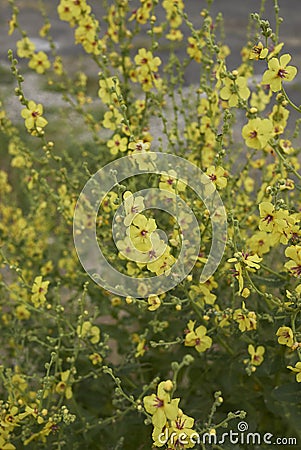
{"points": [[194, 199]]}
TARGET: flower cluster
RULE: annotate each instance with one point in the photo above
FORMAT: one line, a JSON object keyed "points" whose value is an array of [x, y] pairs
{"points": [[80, 358]]}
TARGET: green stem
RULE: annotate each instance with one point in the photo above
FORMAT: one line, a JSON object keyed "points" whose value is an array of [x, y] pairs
{"points": [[297, 108], [289, 167]]}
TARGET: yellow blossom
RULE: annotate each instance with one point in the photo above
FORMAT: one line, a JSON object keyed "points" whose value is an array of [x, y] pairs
{"points": [[217, 175], [197, 338], [63, 387], [256, 354], [22, 312], [109, 90], [92, 332], [95, 359], [140, 232], [272, 220], [70, 10], [294, 264], [12, 24], [194, 48], [33, 116], [25, 48], [141, 348], [161, 406], [246, 319], [133, 206], [169, 181], [39, 62], [278, 72], [112, 119], [235, 90], [163, 263], [285, 336], [39, 291], [258, 51], [297, 370], [146, 59], [257, 132], [117, 144], [154, 302]]}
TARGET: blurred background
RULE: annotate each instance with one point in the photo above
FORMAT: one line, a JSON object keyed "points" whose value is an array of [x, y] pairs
{"points": [[236, 14]]}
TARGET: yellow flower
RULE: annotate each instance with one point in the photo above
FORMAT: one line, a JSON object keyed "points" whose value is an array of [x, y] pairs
{"points": [[259, 243], [272, 220], [12, 24], [257, 132], [146, 59], [285, 336], [117, 144], [140, 232], [235, 90], [33, 116], [201, 295], [278, 72], [180, 430], [5, 445], [246, 319], [197, 338], [145, 79], [154, 302], [251, 261], [169, 181], [92, 332], [112, 119], [69, 10], [297, 370], [194, 48], [133, 206], [279, 116], [39, 291], [294, 265], [58, 65], [161, 406], [139, 146], [63, 387], [163, 263], [22, 312], [39, 62], [174, 35], [49, 427], [95, 359], [142, 14], [86, 30], [286, 146], [109, 202], [109, 90], [256, 355], [217, 176], [45, 29], [260, 99], [25, 48], [258, 52], [141, 348]]}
